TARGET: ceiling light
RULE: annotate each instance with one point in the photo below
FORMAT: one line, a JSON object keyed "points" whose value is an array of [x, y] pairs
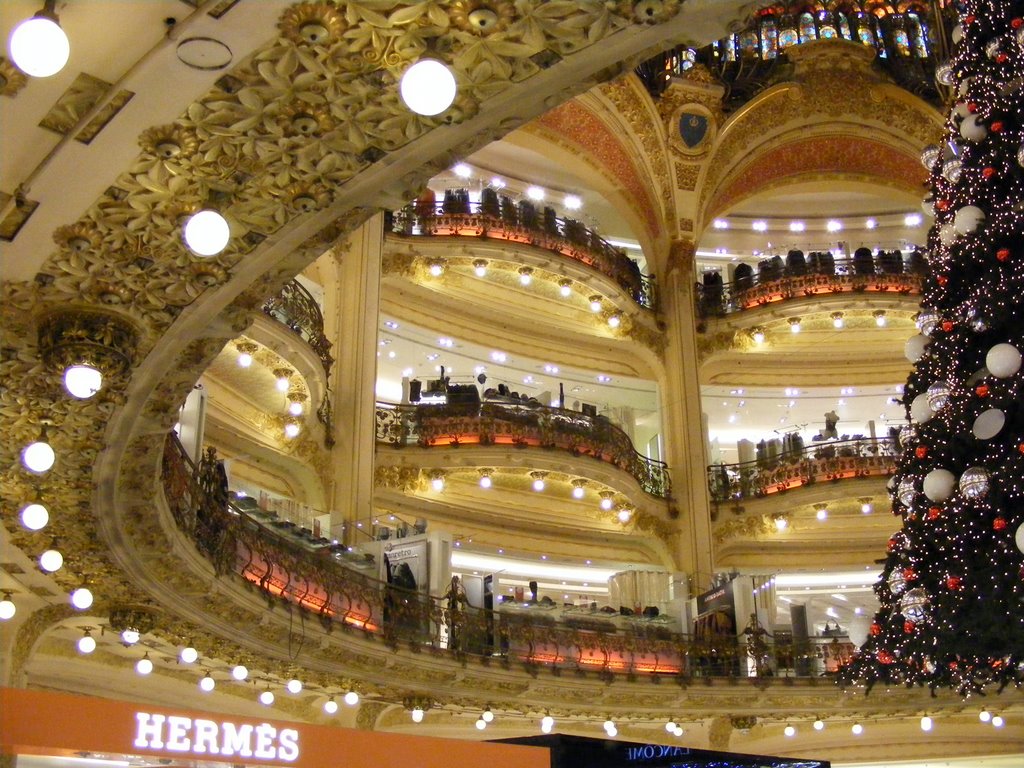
{"points": [[189, 655], [295, 408], [51, 560], [481, 724], [624, 515], [757, 335], [926, 723], [547, 723], [38, 456], [480, 267], [578, 488], [781, 523], [538, 480], [487, 715], [283, 376], [485, 479], [291, 430], [535, 193], [351, 698], [330, 706], [834, 226], [857, 729], [880, 318], [677, 731], [82, 381], [267, 697], [437, 482], [603, 378], [239, 672], [794, 325], [38, 46], [821, 514], [997, 721], [720, 224], [81, 598], [294, 686], [498, 183], [595, 303], [207, 683], [525, 275], [789, 730], [797, 226], [670, 726], [573, 202], [246, 350], [428, 87], [912, 220], [130, 636], [7, 607], [870, 224], [436, 268], [35, 517], [867, 507], [759, 226], [615, 320], [819, 724], [985, 716], [417, 714], [144, 666], [565, 287], [606, 500], [462, 170], [86, 643], [499, 357], [207, 232], [837, 320]]}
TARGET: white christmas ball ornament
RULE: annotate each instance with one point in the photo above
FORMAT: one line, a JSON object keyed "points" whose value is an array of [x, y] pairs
{"points": [[974, 483], [964, 85], [938, 485], [961, 110], [915, 347], [938, 395], [907, 491], [957, 34], [973, 128], [947, 233], [1003, 360], [920, 410], [1018, 537], [988, 424], [968, 219]]}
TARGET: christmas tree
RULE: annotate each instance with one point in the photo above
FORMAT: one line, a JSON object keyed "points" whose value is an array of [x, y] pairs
{"points": [[952, 587]]}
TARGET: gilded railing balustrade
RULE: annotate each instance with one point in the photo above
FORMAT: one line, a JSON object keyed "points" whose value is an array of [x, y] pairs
{"points": [[494, 423], [287, 565], [833, 460], [524, 224]]}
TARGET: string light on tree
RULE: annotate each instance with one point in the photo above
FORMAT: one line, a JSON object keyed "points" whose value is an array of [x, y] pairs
{"points": [[951, 594]]}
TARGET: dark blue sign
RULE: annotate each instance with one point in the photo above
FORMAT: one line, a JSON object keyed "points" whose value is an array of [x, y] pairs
{"points": [[693, 129]]}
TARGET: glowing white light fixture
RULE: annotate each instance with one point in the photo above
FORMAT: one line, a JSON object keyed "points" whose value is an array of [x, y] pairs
{"points": [[781, 523], [538, 482], [615, 320], [239, 672], [487, 715], [565, 288], [294, 686], [720, 224], [547, 723], [436, 268], [188, 655], [81, 598], [462, 170], [207, 683], [535, 193], [912, 220], [757, 335], [926, 723], [837, 320], [985, 716], [870, 224], [245, 359], [295, 408], [797, 226], [794, 325], [38, 46], [867, 508], [670, 726], [481, 724], [207, 232], [595, 303], [624, 515], [144, 665], [480, 267], [573, 202], [417, 714], [291, 429], [267, 697], [82, 381], [834, 226], [428, 87], [997, 721], [759, 226], [677, 731], [578, 489], [485, 480], [609, 725], [789, 730], [330, 706], [351, 698], [35, 517], [857, 729], [498, 183], [437, 482], [130, 636], [606, 500], [819, 724], [7, 607], [38, 456], [525, 275], [51, 560], [86, 643]]}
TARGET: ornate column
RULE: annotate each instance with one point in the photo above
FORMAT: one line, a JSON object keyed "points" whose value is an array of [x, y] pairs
{"points": [[351, 309], [685, 438]]}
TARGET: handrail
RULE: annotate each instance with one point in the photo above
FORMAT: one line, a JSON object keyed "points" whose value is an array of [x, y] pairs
{"points": [[524, 224], [521, 425], [527, 634], [774, 282], [833, 460]]}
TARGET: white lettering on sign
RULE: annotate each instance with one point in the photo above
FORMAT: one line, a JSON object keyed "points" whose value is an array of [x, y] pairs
{"points": [[207, 737]]}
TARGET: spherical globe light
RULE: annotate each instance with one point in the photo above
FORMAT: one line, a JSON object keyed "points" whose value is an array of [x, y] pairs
{"points": [[1003, 360], [670, 726], [130, 636], [915, 347], [7, 608], [267, 697], [144, 666], [819, 724], [189, 655], [51, 560], [351, 698], [547, 723], [481, 724], [920, 410], [428, 87], [82, 381], [487, 716], [38, 456], [86, 643], [239, 672], [39, 47], [207, 233], [926, 723], [938, 485], [330, 706], [294, 686], [997, 721], [857, 729], [207, 684], [35, 517], [789, 730], [81, 598], [417, 715]]}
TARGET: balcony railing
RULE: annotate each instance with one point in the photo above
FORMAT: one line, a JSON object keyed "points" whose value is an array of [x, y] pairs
{"points": [[296, 308], [835, 460], [774, 281], [521, 425], [318, 577], [504, 220]]}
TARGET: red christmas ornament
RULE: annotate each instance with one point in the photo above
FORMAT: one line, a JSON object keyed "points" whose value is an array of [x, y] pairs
{"points": [[947, 325], [981, 390], [953, 582], [1015, 23], [942, 205], [875, 629], [1003, 254], [909, 574], [1001, 58], [952, 665], [969, 18], [1020, 447], [972, 107], [988, 172], [921, 451], [999, 523], [884, 657], [942, 280], [908, 627], [996, 127], [933, 512]]}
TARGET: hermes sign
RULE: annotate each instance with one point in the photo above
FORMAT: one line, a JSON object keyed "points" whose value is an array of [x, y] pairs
{"points": [[196, 736]]}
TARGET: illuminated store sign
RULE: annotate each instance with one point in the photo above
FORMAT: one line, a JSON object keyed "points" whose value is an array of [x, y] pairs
{"points": [[173, 733], [636, 753]]}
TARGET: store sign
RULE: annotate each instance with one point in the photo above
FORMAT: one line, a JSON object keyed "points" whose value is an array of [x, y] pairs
{"points": [[644, 752], [172, 733]]}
